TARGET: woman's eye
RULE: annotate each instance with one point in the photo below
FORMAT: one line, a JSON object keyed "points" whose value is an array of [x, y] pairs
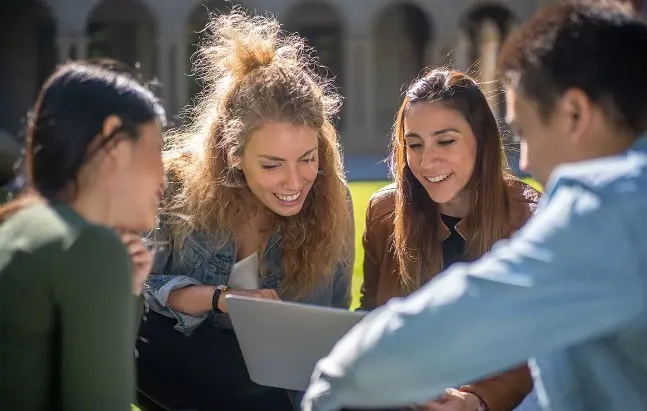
{"points": [[268, 166], [413, 145], [446, 142], [308, 160]]}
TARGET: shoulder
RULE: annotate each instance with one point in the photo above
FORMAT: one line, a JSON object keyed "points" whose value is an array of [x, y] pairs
{"points": [[612, 178], [40, 226], [523, 200], [382, 204], [612, 188], [60, 241]]}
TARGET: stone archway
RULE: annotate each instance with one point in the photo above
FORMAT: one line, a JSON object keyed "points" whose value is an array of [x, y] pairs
{"points": [[402, 37], [27, 60], [125, 30], [322, 27], [486, 27], [198, 19]]}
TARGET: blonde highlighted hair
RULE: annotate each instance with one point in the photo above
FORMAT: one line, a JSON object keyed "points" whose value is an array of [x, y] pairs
{"points": [[254, 73]]}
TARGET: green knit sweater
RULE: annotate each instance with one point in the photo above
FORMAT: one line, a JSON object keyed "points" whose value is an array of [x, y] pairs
{"points": [[67, 314]]}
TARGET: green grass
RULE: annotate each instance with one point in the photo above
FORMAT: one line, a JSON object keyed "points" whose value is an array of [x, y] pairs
{"points": [[360, 192]]}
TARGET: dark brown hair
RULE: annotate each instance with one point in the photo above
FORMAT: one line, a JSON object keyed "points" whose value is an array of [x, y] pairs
{"points": [[597, 46], [416, 236], [68, 115]]}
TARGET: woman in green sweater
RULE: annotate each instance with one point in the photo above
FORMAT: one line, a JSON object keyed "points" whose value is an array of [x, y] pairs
{"points": [[71, 261]]}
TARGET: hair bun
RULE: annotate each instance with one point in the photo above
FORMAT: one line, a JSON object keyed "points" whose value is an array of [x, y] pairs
{"points": [[237, 44]]}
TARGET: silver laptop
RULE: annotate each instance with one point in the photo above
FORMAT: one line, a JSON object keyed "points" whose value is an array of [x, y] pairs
{"points": [[281, 341]]}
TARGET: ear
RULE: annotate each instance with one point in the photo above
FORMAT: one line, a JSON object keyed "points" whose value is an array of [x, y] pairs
{"points": [[110, 124], [577, 112]]}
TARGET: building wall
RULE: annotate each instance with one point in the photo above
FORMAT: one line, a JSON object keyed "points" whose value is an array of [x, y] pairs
{"points": [[375, 47]]}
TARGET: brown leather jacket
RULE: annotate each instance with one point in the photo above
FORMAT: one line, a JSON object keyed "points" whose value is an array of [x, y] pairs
{"points": [[502, 392]]}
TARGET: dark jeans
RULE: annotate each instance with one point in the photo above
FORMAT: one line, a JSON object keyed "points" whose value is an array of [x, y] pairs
{"points": [[203, 372]]}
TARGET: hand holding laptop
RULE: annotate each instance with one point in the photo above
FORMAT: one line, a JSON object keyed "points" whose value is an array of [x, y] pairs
{"points": [[266, 294]]}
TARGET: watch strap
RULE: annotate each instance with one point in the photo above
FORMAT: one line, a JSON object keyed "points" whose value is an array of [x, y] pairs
{"points": [[216, 297]]}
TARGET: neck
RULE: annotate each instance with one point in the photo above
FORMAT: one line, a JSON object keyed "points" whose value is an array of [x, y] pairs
{"points": [[459, 206], [605, 140], [94, 208]]}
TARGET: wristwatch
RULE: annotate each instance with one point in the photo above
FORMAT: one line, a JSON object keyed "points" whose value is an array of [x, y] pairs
{"points": [[216, 296]]}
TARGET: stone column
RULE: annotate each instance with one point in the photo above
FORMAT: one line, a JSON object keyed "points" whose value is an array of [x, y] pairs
{"points": [[64, 48], [81, 46], [164, 48], [461, 55], [71, 46], [489, 41], [369, 82], [181, 82], [354, 102], [433, 54]]}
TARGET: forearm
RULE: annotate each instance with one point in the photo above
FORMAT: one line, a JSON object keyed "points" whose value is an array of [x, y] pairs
{"points": [[478, 319], [192, 300], [504, 391]]}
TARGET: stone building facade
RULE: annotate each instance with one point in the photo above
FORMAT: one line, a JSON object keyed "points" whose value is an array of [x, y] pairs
{"points": [[372, 47]]}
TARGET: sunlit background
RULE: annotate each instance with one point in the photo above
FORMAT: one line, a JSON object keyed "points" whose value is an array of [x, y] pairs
{"points": [[371, 47]]}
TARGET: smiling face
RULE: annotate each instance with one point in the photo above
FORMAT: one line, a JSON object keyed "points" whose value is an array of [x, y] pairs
{"points": [[441, 153], [280, 164]]}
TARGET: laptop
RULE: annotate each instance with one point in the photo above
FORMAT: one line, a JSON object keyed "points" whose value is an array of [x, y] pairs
{"points": [[281, 342]]}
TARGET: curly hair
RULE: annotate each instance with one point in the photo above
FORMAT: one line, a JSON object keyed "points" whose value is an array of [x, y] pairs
{"points": [[255, 73]]}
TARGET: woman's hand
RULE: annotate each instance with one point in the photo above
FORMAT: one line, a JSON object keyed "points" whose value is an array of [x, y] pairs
{"points": [[140, 257], [453, 400], [268, 294]]}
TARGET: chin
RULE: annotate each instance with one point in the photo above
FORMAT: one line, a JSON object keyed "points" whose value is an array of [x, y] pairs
{"points": [[288, 212], [144, 225], [441, 198]]}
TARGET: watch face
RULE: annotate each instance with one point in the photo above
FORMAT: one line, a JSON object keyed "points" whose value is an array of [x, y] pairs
{"points": [[222, 287]]}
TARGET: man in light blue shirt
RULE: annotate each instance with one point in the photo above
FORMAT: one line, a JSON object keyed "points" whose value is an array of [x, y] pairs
{"points": [[569, 289]]}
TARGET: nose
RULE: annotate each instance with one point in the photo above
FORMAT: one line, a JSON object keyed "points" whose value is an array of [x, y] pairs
{"points": [[430, 157], [292, 179]]}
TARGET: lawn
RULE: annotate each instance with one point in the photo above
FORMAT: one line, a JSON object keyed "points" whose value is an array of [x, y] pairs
{"points": [[360, 192]]}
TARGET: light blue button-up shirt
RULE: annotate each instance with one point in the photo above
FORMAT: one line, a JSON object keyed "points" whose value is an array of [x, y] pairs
{"points": [[568, 291]]}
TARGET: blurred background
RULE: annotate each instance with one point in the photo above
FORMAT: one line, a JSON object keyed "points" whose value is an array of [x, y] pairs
{"points": [[371, 47]]}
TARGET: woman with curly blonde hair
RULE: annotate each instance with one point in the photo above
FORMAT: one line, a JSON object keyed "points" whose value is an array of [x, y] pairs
{"points": [[256, 205]]}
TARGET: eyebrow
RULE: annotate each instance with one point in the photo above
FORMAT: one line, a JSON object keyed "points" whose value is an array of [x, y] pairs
{"points": [[435, 133], [275, 158]]}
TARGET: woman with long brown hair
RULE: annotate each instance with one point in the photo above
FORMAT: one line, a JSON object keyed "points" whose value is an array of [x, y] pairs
{"points": [[257, 205], [452, 199]]}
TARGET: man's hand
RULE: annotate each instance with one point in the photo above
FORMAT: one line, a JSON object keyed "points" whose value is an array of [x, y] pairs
{"points": [[453, 400], [140, 257]]}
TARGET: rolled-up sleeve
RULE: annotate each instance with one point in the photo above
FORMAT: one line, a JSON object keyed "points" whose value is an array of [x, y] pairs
{"points": [[572, 273], [161, 283]]}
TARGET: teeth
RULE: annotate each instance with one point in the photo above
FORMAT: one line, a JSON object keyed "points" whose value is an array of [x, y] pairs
{"points": [[437, 179], [288, 198]]}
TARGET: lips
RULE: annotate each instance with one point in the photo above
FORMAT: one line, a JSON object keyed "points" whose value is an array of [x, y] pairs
{"points": [[288, 198], [438, 178]]}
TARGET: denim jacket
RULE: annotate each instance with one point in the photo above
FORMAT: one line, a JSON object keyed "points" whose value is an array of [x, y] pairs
{"points": [[201, 262]]}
